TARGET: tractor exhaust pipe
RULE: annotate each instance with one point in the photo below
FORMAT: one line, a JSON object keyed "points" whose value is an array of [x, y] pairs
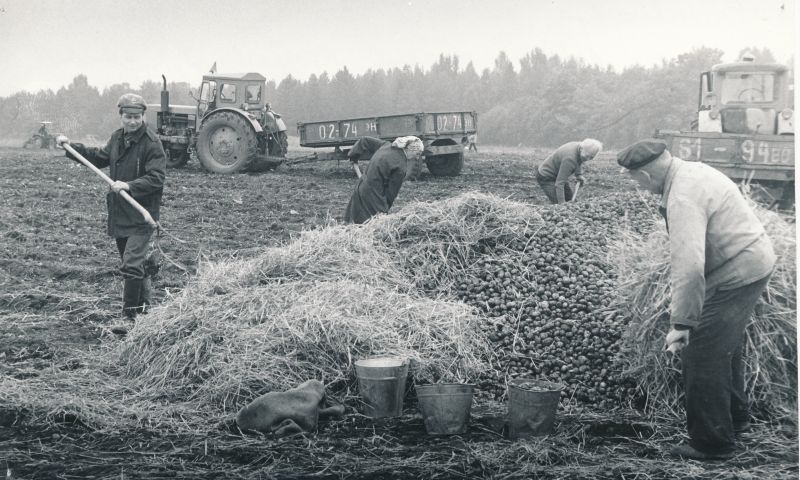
{"points": [[164, 96]]}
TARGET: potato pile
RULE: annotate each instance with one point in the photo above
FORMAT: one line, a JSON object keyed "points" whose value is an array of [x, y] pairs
{"points": [[548, 295]]}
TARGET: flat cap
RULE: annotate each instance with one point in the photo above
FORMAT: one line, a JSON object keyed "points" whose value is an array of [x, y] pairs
{"points": [[131, 103], [641, 153]]}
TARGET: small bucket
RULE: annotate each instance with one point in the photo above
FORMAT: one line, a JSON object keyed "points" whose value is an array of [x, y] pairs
{"points": [[532, 406], [445, 407], [382, 384]]}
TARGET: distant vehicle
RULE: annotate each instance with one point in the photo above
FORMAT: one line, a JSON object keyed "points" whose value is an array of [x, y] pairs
{"points": [[232, 128], [444, 135], [744, 127], [42, 138]]}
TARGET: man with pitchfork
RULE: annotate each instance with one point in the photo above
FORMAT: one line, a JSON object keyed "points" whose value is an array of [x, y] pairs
{"points": [[137, 165]]}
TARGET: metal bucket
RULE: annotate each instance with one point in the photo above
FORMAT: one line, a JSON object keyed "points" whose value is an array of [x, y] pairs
{"points": [[532, 406], [445, 407], [382, 384]]}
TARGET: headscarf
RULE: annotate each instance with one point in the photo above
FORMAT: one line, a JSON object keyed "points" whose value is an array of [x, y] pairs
{"points": [[411, 144]]}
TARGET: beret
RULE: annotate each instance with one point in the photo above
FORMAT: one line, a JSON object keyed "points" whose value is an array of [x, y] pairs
{"points": [[132, 103], [641, 153]]}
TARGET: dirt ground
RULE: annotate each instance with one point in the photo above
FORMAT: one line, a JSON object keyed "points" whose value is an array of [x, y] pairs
{"points": [[59, 289]]}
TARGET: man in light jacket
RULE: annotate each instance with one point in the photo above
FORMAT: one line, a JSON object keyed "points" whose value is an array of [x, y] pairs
{"points": [[721, 259]]}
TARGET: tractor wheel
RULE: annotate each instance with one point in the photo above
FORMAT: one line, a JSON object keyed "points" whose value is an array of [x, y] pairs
{"points": [[448, 165], [176, 158], [414, 168], [37, 143], [226, 143]]}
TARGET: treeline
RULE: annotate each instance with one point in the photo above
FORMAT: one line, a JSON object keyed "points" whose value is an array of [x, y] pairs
{"points": [[539, 101]]}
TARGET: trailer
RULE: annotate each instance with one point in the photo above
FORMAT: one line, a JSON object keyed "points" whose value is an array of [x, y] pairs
{"points": [[444, 134]]}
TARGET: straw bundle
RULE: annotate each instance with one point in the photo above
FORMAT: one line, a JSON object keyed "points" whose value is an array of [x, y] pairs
{"points": [[642, 265]]}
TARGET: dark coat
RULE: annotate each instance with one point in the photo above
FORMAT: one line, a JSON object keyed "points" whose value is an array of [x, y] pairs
{"points": [[138, 160], [378, 186]]}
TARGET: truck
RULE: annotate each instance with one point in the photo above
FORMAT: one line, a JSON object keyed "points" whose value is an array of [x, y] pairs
{"points": [[231, 129], [443, 133], [744, 127]]}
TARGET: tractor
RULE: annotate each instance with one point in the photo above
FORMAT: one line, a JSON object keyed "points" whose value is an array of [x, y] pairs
{"points": [[42, 138], [231, 129], [744, 127]]}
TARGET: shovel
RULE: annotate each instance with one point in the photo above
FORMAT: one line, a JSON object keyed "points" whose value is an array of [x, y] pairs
{"points": [[577, 189], [108, 180], [357, 170]]}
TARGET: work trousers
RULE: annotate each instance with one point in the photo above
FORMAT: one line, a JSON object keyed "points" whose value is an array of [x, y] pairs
{"points": [[137, 252], [549, 189], [713, 370]]}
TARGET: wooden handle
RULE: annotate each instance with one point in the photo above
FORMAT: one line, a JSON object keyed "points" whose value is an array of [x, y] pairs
{"points": [[577, 189], [108, 180]]}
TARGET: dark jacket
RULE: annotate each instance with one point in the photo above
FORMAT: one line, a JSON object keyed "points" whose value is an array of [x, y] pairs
{"points": [[138, 160], [558, 167], [378, 186]]}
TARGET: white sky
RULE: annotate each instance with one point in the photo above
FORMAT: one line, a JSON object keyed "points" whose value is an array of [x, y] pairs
{"points": [[44, 44]]}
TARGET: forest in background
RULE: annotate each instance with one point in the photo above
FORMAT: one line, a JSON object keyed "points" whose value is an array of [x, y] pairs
{"points": [[540, 100]]}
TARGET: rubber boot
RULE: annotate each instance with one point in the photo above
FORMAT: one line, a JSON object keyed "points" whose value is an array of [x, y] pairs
{"points": [[130, 305], [145, 296]]}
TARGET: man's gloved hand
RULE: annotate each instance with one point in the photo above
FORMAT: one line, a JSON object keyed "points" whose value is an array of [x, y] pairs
{"points": [[61, 140], [580, 179], [676, 339]]}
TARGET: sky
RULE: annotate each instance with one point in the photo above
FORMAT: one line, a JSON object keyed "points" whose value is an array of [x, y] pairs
{"points": [[45, 44]]}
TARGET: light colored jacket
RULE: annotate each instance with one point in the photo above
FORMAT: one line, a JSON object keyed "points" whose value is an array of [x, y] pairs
{"points": [[716, 240]]}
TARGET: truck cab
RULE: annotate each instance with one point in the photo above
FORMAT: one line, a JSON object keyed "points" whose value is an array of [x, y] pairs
{"points": [[746, 98], [744, 128]]}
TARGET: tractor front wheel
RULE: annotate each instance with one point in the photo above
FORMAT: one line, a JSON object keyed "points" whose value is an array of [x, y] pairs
{"points": [[226, 143]]}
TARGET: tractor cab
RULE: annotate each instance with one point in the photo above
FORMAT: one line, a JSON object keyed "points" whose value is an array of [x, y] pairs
{"points": [[244, 91], [746, 98]]}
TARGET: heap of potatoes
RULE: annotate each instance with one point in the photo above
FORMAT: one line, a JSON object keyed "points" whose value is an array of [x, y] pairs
{"points": [[547, 297]]}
